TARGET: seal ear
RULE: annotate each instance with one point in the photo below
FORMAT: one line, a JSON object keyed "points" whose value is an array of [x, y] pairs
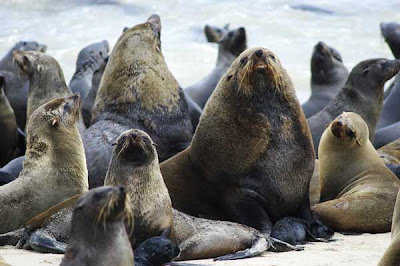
{"points": [[213, 34]]}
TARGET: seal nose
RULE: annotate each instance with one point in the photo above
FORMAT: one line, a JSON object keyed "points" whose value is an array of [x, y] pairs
{"points": [[337, 128], [134, 136], [259, 53]]}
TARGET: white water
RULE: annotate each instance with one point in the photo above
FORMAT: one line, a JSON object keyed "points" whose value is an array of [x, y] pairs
{"points": [[66, 26]]}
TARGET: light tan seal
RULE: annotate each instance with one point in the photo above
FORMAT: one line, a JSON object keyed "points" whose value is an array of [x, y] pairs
{"points": [[54, 168], [134, 164], [358, 192], [391, 257]]}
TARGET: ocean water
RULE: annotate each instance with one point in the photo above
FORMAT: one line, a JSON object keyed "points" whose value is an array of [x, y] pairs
{"points": [[66, 26]]}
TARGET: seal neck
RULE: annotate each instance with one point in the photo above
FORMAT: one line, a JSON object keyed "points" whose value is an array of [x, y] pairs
{"points": [[225, 58]]}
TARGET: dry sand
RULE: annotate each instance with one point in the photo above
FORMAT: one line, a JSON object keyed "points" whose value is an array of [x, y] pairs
{"points": [[365, 249]]}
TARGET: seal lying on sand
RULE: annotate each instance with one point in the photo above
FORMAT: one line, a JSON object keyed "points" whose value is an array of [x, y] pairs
{"points": [[137, 91], [134, 164], [328, 76], [358, 192], [89, 60], [87, 105], [231, 43], [251, 158], [55, 161], [362, 94], [98, 233]]}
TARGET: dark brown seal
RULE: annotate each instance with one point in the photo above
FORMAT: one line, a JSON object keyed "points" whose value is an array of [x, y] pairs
{"points": [[98, 234], [362, 94], [8, 128], [251, 158], [54, 168], [137, 91], [358, 192]]}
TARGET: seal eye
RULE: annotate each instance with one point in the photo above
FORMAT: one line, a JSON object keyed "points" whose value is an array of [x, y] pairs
{"points": [[228, 78], [24, 43], [351, 134], [366, 71], [244, 60], [272, 57], [101, 53], [67, 107]]}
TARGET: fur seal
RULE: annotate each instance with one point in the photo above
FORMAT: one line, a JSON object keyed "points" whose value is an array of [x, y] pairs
{"points": [[135, 166], [362, 94], [6, 63], [90, 58], [391, 32], [136, 91], [231, 43], [391, 257], [87, 105], [254, 119], [8, 129], [156, 250], [328, 76], [46, 79], [358, 192], [17, 86], [98, 233], [55, 159]]}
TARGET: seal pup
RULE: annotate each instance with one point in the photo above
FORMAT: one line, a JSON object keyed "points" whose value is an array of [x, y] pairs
{"points": [[362, 94], [46, 79], [135, 166], [87, 105], [98, 233], [358, 192], [55, 160], [391, 257], [156, 250], [90, 58], [328, 76], [8, 128], [254, 119], [136, 91], [231, 43]]}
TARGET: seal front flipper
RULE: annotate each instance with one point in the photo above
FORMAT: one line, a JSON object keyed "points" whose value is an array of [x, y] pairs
{"points": [[11, 238], [42, 242]]}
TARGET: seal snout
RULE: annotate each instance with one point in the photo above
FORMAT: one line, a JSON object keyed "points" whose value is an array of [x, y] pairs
{"points": [[338, 128], [259, 53]]}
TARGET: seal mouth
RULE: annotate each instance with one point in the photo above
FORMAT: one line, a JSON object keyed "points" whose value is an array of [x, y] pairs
{"points": [[392, 67]]}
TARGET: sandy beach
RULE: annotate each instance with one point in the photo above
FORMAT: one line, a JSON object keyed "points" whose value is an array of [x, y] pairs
{"points": [[365, 249]]}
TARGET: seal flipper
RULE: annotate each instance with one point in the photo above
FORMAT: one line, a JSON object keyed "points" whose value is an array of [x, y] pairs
{"points": [[259, 246], [42, 242], [11, 238]]}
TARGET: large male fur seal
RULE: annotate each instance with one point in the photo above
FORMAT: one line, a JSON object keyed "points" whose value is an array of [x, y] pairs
{"points": [[392, 253], [55, 162], [328, 75], [362, 94], [8, 129], [98, 234], [137, 91], [89, 60], [134, 164], [17, 85], [46, 79], [251, 158], [358, 192], [231, 43]]}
